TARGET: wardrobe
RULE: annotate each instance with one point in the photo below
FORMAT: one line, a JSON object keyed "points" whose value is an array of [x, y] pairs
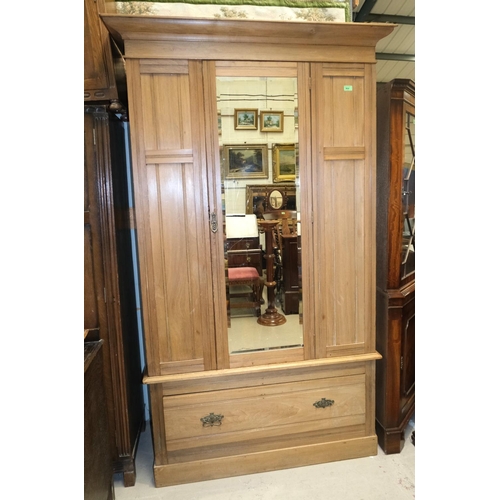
{"points": [[221, 406]]}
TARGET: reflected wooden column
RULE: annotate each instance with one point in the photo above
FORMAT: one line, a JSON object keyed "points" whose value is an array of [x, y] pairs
{"points": [[271, 317]]}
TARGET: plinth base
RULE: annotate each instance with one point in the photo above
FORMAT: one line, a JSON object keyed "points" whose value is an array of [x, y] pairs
{"points": [[271, 319]]}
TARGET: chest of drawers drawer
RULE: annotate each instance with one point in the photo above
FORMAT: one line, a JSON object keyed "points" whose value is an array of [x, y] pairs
{"points": [[244, 252], [251, 259], [249, 419]]}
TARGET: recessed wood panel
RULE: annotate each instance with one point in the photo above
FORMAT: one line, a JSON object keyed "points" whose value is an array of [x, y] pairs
{"points": [[90, 310], [341, 208], [175, 218], [344, 96], [93, 281], [176, 268], [166, 111]]}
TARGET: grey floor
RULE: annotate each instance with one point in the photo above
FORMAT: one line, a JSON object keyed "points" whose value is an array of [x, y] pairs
{"points": [[381, 477]]}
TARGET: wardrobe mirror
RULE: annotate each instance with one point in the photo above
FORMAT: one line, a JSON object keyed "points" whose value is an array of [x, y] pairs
{"points": [[262, 247]]}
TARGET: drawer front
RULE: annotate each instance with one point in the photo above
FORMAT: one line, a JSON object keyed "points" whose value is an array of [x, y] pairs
{"points": [[249, 259], [242, 243], [264, 411]]}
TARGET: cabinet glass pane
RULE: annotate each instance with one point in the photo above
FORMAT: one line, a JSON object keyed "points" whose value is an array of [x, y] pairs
{"points": [[258, 140], [408, 193]]}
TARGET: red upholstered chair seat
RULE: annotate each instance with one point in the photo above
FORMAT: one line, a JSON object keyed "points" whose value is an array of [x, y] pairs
{"points": [[244, 276], [242, 273]]}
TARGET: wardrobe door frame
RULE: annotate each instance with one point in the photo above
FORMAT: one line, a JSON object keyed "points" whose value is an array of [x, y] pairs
{"points": [[344, 164], [300, 71], [154, 153]]}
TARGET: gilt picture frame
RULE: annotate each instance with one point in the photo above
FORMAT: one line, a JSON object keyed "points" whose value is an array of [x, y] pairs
{"points": [[284, 162], [245, 161], [271, 121], [246, 119], [257, 197]]}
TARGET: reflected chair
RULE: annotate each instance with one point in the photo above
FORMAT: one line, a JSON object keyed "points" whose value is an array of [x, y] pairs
{"points": [[244, 284], [244, 277]]}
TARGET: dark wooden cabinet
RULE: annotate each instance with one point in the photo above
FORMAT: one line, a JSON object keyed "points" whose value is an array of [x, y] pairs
{"points": [[395, 402], [110, 308], [244, 252], [98, 463], [99, 75], [290, 296]]}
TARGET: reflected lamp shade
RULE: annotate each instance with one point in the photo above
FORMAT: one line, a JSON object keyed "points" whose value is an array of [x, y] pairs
{"points": [[241, 226]]}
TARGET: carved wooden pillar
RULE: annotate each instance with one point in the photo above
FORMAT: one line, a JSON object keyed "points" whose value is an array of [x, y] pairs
{"points": [[271, 317]]}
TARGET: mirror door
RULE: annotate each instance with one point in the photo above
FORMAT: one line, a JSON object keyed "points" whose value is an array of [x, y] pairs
{"points": [[257, 107]]}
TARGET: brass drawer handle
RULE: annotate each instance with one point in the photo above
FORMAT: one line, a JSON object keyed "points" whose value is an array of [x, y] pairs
{"points": [[211, 420], [323, 403]]}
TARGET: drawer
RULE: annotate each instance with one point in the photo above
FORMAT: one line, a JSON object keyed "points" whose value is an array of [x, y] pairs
{"points": [[242, 243], [249, 259], [263, 413]]}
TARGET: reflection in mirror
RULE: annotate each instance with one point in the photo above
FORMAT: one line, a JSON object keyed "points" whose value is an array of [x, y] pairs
{"points": [[276, 199], [257, 198], [262, 238]]}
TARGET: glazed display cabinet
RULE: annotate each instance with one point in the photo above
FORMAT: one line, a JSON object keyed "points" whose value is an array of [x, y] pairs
{"points": [[395, 261], [227, 398]]}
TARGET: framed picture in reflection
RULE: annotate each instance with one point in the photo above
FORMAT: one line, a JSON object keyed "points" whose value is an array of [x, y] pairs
{"points": [[284, 162], [271, 121], [245, 161], [245, 119]]}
